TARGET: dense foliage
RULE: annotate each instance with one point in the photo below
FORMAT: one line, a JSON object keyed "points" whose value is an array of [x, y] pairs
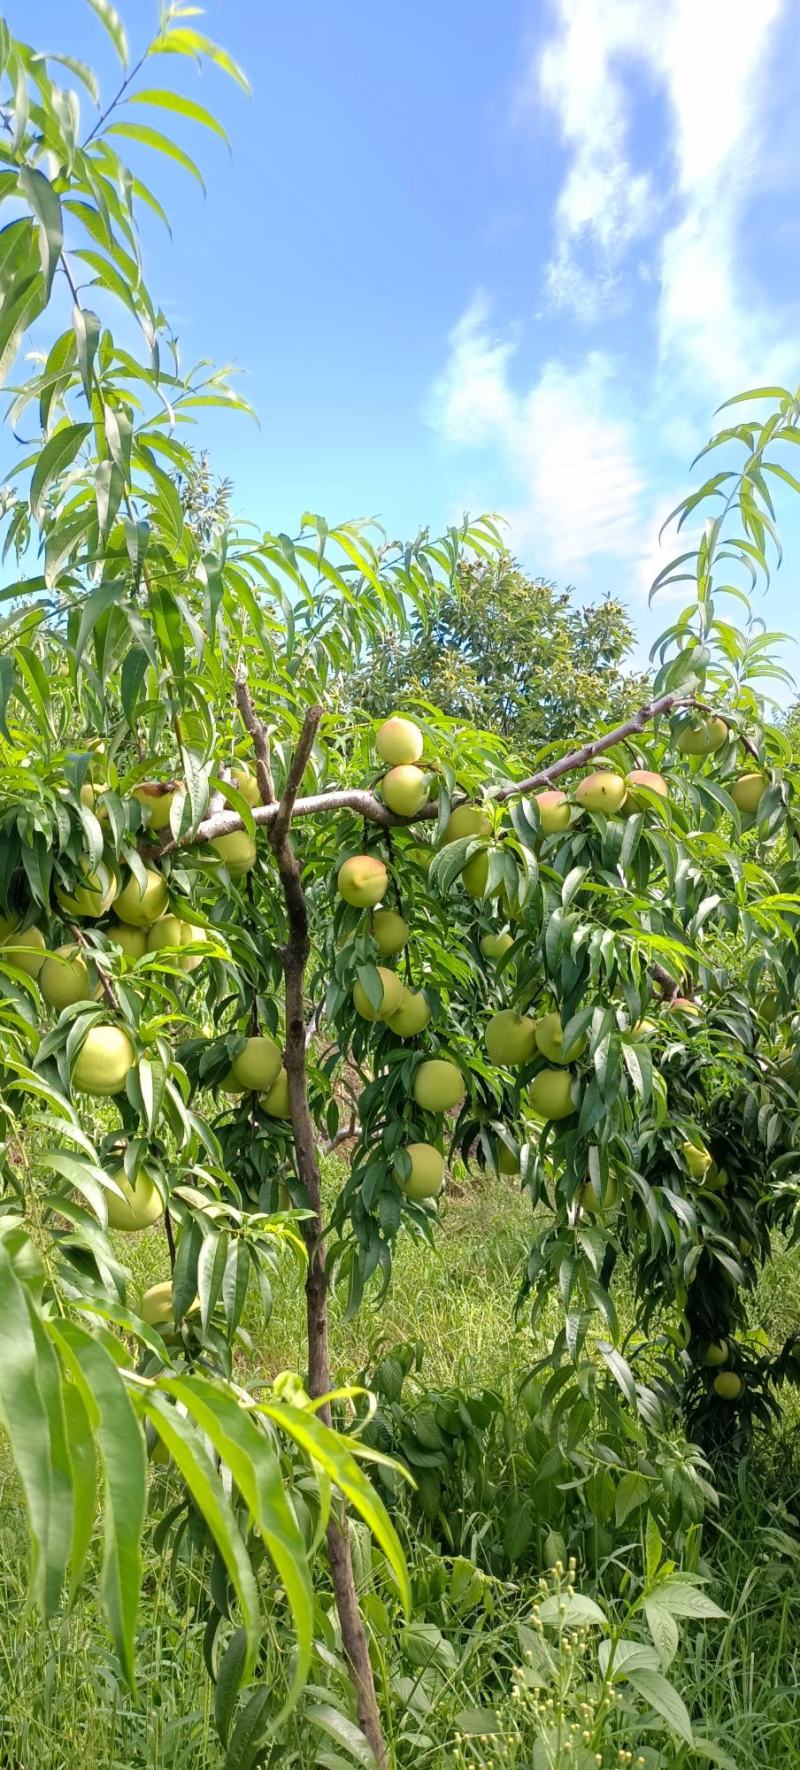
{"points": [[510, 654], [594, 988]]}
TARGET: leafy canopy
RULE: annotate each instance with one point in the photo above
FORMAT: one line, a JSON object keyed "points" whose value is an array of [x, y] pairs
{"points": [[510, 654], [134, 622]]}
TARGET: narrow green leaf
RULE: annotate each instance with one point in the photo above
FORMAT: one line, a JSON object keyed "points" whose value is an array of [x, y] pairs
{"points": [[256, 1471], [188, 1452], [79, 69], [60, 1525], [133, 672], [334, 1454], [340, 1728], [86, 327], [229, 1683], [185, 107], [46, 207], [163, 144], [113, 23], [188, 42], [6, 690], [93, 607], [24, 1417], [56, 456], [84, 1484], [251, 1729], [665, 1700], [122, 1451], [663, 1629]]}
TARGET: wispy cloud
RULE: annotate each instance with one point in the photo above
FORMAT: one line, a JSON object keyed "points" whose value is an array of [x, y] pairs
{"points": [[706, 61], [574, 486], [592, 442], [605, 202]]}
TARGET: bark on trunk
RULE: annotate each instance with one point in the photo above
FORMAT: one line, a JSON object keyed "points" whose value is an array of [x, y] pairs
{"points": [[295, 958]]}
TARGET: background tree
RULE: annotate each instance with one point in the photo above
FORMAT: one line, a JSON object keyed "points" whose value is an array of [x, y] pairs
{"points": [[510, 654]]}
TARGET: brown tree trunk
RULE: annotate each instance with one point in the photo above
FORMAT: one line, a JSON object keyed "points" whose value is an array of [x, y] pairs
{"points": [[295, 958]]}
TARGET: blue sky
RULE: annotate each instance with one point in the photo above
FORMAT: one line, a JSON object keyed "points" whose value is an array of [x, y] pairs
{"points": [[504, 256]]}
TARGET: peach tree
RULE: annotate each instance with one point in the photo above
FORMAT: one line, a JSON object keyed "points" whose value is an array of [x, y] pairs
{"points": [[243, 925]]}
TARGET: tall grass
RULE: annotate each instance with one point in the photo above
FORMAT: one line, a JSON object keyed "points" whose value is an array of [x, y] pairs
{"points": [[63, 1703]]}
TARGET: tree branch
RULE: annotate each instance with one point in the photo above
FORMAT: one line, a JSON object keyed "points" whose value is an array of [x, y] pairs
{"points": [[365, 804], [106, 986], [257, 732], [666, 703], [344, 1135], [297, 768]]}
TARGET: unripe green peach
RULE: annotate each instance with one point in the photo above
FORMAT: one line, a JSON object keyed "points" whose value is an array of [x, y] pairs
{"points": [[551, 1094], [594, 1206], [601, 791], [277, 1100], [246, 784], [748, 792], [166, 932], [427, 1172], [390, 1001], [412, 1016], [362, 880], [190, 934], [475, 876], [238, 851], [399, 741], [156, 1305], [438, 1085], [390, 932], [508, 1160], [255, 1069], [697, 1159], [728, 1385], [495, 946], [132, 941], [701, 737], [8, 925], [91, 897], [64, 978], [549, 1040], [510, 1038], [157, 798], [26, 949], [104, 1061], [404, 789], [715, 1354], [141, 1205], [466, 820], [142, 907]]}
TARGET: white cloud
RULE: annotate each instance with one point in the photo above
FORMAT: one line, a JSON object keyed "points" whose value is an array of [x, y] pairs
{"points": [[472, 404], [603, 204], [588, 445], [567, 453], [707, 60]]}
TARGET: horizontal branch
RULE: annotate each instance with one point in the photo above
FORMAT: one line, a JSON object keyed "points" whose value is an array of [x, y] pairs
{"points": [[666, 703], [366, 805], [343, 1135]]}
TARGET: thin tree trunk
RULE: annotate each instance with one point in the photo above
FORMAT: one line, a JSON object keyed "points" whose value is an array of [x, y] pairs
{"points": [[295, 958]]}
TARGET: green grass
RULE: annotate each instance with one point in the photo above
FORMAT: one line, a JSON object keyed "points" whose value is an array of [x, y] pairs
{"points": [[63, 1704]]}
